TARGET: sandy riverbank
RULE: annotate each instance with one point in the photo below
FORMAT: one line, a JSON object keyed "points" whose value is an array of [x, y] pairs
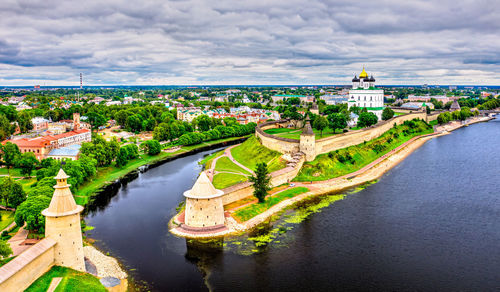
{"points": [[373, 172]]}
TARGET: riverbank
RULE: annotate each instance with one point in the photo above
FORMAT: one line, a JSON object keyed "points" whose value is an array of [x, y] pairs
{"points": [[112, 178], [368, 173]]}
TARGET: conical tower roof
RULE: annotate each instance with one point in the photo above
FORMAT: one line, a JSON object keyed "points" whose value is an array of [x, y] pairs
{"points": [[308, 131], [62, 203], [203, 189]]}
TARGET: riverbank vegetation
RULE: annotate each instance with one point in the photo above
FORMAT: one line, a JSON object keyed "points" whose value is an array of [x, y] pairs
{"points": [[460, 115], [71, 281], [250, 211], [251, 152], [353, 158]]}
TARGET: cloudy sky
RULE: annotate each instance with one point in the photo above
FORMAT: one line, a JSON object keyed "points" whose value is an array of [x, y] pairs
{"points": [[197, 42]]}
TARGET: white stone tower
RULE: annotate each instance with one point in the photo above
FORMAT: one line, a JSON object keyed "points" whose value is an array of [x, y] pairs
{"points": [[62, 224], [204, 206], [308, 141]]}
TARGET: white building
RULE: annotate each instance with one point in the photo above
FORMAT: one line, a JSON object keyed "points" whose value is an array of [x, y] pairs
{"points": [[364, 94]]}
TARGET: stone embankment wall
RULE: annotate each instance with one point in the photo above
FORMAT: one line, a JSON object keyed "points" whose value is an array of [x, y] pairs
{"points": [[19, 273]]}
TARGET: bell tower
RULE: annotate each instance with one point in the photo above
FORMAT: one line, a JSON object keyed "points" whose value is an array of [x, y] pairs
{"points": [[62, 224]]}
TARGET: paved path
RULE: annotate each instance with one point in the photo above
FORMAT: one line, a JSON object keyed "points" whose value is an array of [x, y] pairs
{"points": [[54, 283], [17, 239], [227, 152], [9, 227]]}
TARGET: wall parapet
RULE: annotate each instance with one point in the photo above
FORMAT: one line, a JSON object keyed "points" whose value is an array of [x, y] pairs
{"points": [[22, 271], [259, 130]]}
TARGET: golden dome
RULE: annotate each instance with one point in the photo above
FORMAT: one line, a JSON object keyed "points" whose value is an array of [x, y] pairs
{"points": [[363, 74]]}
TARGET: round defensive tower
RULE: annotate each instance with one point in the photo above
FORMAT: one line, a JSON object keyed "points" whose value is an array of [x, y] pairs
{"points": [[308, 141], [204, 206], [62, 224]]}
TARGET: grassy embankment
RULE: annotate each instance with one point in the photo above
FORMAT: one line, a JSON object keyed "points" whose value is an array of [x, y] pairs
{"points": [[253, 210], [228, 173], [353, 158], [251, 152], [72, 281], [292, 133], [6, 218]]}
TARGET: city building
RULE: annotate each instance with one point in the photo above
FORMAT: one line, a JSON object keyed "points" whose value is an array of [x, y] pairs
{"points": [[364, 94], [40, 124]]}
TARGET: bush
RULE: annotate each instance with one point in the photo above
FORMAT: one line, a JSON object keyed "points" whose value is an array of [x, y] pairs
{"points": [[387, 114]]}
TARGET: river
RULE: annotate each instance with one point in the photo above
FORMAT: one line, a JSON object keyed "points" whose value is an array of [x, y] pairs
{"points": [[431, 223]]}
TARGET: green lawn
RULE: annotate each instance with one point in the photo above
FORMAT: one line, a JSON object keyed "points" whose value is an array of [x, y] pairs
{"points": [[353, 158], [7, 217], [224, 180], [207, 160], [251, 152], [433, 123], [253, 210], [295, 133], [225, 164], [16, 172], [72, 281]]}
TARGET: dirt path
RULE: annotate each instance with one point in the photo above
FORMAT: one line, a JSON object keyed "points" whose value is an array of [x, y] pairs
{"points": [[227, 152]]}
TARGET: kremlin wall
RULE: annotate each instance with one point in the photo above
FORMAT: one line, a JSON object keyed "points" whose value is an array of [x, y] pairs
{"points": [[205, 204]]}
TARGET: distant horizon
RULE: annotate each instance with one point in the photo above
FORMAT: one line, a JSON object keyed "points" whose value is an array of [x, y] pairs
{"points": [[237, 85]]}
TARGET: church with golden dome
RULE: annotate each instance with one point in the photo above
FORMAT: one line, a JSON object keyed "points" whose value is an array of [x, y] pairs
{"points": [[364, 94]]}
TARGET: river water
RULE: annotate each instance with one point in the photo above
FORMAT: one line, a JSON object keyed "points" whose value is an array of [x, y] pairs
{"points": [[430, 224]]}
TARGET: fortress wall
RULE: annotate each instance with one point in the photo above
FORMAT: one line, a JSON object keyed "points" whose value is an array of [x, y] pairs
{"points": [[281, 176], [237, 192], [432, 117], [275, 143], [335, 142], [22, 271]]}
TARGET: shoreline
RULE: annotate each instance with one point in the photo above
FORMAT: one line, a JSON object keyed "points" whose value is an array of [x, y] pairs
{"points": [[113, 185], [373, 172]]}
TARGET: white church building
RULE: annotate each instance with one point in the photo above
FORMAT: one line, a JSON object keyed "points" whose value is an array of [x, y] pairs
{"points": [[364, 94]]}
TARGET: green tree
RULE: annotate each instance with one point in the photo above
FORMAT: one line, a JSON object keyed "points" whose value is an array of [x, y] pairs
{"points": [[204, 122], [337, 121], [367, 119], [30, 211], [24, 121], [5, 250], [6, 129], [11, 154], [11, 192], [387, 114], [27, 163], [152, 147], [320, 123], [261, 182], [96, 120], [122, 157]]}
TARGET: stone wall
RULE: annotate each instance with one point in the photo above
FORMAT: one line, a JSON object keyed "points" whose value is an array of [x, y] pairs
{"points": [[283, 145], [22, 271], [335, 142]]}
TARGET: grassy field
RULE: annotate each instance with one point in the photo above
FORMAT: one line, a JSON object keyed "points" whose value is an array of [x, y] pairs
{"points": [[251, 152], [72, 281], [224, 180], [225, 164], [207, 160], [433, 123], [292, 133], [253, 210], [6, 218], [353, 158]]}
